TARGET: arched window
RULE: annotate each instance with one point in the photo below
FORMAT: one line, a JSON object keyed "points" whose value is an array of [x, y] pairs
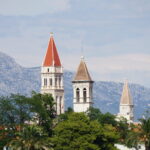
{"points": [[50, 82], [60, 81], [78, 94], [55, 81], [84, 95]]}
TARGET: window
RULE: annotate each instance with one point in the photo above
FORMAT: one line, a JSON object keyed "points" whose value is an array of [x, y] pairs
{"points": [[78, 94], [84, 94], [56, 103], [56, 81], [60, 103], [48, 70], [50, 82], [45, 82], [60, 81]]}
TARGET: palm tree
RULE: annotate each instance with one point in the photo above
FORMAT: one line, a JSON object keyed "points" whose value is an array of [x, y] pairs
{"points": [[132, 140], [139, 134], [31, 138], [145, 132]]}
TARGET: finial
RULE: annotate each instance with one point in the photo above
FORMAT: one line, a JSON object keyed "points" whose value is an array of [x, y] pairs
{"points": [[82, 49], [51, 34], [82, 57]]}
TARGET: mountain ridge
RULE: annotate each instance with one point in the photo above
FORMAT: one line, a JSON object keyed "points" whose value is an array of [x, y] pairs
{"points": [[17, 79]]}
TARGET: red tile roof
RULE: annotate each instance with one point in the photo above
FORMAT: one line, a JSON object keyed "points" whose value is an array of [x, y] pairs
{"points": [[52, 57]]}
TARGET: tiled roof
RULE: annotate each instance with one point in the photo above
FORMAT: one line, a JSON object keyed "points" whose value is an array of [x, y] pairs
{"points": [[126, 96], [52, 57], [82, 72]]}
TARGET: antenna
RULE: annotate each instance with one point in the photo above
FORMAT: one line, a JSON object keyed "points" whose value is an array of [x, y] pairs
{"points": [[82, 50]]}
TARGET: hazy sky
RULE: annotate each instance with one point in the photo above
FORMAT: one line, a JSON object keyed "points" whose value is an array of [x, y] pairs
{"points": [[113, 35]]}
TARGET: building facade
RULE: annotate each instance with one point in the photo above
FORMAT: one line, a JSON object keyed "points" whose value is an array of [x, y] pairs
{"points": [[82, 89], [52, 76]]}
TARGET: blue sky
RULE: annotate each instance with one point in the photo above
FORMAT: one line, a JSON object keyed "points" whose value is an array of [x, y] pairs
{"points": [[113, 36]]}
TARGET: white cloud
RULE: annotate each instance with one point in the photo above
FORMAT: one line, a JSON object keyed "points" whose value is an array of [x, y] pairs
{"points": [[32, 7], [134, 67], [115, 46], [128, 62], [111, 64]]}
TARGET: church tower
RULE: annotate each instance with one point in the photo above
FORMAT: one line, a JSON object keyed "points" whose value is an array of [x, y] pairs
{"points": [[82, 89], [126, 104], [52, 76]]}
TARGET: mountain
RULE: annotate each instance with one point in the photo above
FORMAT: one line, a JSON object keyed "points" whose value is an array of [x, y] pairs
{"points": [[17, 79]]}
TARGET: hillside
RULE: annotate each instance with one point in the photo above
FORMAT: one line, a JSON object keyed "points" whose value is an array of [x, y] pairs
{"points": [[17, 79]]}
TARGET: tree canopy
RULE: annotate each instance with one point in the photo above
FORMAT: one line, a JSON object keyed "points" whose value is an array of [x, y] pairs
{"points": [[31, 123], [80, 133], [18, 111]]}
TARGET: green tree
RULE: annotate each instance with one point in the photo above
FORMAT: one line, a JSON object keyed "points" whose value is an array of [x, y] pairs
{"points": [[22, 108], [13, 112], [107, 137], [132, 140], [94, 113], [43, 109], [18, 110], [65, 115], [121, 126], [80, 133], [30, 138], [145, 130], [139, 133], [7, 112], [6, 135], [123, 129], [106, 118]]}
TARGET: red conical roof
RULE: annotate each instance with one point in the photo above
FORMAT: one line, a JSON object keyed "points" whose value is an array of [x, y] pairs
{"points": [[52, 58]]}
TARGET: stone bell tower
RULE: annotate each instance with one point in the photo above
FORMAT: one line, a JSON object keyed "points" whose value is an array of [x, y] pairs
{"points": [[82, 89], [126, 104], [52, 76]]}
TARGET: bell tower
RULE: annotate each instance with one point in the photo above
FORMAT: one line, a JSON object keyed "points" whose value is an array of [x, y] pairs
{"points": [[52, 76], [126, 104], [82, 89]]}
